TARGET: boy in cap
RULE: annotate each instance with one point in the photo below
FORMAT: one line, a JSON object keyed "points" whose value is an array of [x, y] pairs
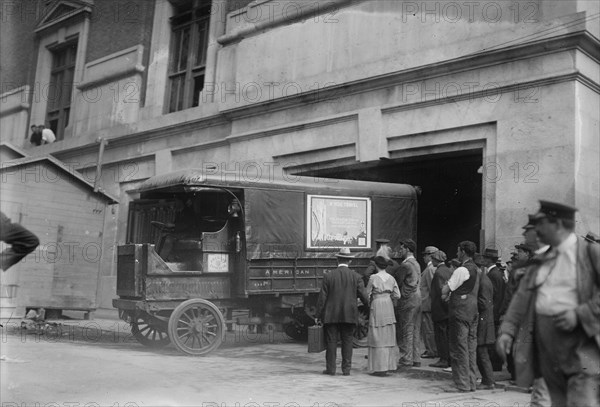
{"points": [[558, 302]]}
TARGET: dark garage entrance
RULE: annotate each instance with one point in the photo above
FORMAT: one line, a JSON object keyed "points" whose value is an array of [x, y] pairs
{"points": [[450, 204]]}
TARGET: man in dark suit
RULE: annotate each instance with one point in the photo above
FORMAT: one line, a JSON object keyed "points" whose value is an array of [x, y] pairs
{"points": [[408, 309], [486, 333], [439, 308], [338, 310], [497, 277], [554, 317]]}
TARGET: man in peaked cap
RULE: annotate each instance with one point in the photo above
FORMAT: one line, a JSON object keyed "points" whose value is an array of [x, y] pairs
{"points": [[529, 231], [408, 309], [554, 317], [427, 334], [338, 310]]}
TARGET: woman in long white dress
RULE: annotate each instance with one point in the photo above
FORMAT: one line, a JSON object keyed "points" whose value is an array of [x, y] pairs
{"points": [[383, 351]]}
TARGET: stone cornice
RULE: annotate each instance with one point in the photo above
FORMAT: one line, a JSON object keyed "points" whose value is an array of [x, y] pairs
{"points": [[521, 86], [581, 40]]}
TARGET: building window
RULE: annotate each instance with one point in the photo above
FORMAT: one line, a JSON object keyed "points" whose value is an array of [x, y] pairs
{"points": [[60, 88], [189, 43]]}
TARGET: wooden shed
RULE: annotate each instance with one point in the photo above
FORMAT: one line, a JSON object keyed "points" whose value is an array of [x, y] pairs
{"points": [[62, 208]]}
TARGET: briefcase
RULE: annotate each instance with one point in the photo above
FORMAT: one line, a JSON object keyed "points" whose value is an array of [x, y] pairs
{"points": [[316, 339]]}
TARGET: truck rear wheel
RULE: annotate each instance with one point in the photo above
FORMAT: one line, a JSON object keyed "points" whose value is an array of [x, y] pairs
{"points": [[196, 327], [151, 334]]}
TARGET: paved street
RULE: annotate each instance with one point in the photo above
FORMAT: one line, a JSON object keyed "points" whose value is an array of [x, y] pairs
{"points": [[99, 363]]}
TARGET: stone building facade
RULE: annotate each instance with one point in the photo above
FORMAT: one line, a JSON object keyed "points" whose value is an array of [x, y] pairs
{"points": [[487, 105]]}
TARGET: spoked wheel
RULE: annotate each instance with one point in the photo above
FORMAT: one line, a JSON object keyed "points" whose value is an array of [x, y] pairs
{"points": [[296, 330], [153, 335], [362, 329], [196, 327]]}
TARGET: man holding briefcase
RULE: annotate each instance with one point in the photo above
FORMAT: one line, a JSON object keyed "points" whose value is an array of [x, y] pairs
{"points": [[338, 310]]}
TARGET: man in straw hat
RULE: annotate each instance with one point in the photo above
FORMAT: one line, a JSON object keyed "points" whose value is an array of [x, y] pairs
{"points": [[338, 310], [552, 325]]}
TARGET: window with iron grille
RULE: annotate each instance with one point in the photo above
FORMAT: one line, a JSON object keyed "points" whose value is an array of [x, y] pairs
{"points": [[189, 42], [60, 87]]}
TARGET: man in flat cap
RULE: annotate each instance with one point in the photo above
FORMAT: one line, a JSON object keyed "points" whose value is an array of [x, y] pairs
{"points": [[408, 309], [427, 334], [338, 310], [439, 308], [552, 325]]}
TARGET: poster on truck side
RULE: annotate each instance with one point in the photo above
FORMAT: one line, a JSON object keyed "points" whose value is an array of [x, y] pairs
{"points": [[338, 221]]}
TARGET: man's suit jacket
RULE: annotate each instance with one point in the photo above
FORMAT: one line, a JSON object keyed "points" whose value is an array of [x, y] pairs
{"points": [[519, 320], [439, 307], [337, 299], [486, 333], [496, 276], [408, 276], [425, 287]]}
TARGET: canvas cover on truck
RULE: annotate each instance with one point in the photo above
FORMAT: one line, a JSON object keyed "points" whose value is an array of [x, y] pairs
{"points": [[277, 224], [277, 213]]}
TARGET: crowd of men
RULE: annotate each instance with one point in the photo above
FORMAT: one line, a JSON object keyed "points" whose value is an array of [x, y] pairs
{"points": [[539, 313]]}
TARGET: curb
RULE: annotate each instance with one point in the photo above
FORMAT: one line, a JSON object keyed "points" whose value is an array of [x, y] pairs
{"points": [[439, 374]]}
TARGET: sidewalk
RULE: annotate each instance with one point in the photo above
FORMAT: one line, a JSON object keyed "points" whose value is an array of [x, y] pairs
{"points": [[502, 378], [105, 323]]}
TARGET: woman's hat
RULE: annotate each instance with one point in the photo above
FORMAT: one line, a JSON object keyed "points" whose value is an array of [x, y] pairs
{"points": [[381, 262], [344, 253]]}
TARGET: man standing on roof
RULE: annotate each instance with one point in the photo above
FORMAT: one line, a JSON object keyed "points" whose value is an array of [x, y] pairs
{"points": [[48, 136]]}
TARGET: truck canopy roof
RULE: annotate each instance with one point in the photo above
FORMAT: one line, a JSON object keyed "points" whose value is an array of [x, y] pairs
{"points": [[188, 179]]}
